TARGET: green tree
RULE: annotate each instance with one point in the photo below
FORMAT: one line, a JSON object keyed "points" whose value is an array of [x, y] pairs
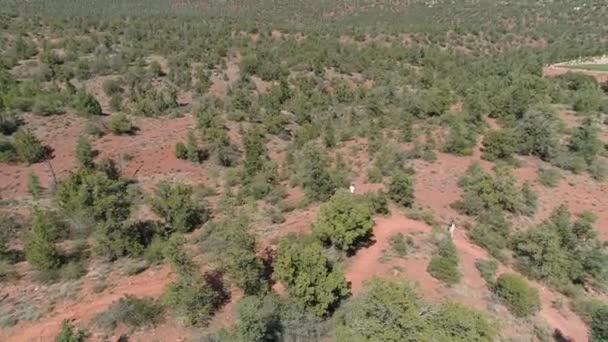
{"points": [[315, 282], [521, 299], [401, 189], [175, 204], [258, 319], [28, 147], [255, 152], [40, 250], [233, 247], [316, 178], [84, 153], [585, 142], [537, 133], [344, 221], [498, 144], [385, 311]]}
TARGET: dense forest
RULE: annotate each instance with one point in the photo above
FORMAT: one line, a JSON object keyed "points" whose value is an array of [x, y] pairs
{"points": [[187, 164]]}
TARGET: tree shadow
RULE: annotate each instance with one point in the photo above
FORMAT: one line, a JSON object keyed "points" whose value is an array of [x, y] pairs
{"points": [[558, 336], [215, 279]]}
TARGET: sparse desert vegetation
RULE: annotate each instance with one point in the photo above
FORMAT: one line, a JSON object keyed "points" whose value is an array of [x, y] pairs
{"points": [[242, 171]]}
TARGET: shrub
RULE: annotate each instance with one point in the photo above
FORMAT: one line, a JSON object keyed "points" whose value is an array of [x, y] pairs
{"points": [[562, 252], [399, 245], [233, 247], [599, 325], [549, 177], [120, 124], [117, 239], [483, 192], [458, 323], [84, 153], [28, 148], [385, 311], [193, 300], [258, 318], [33, 185], [69, 333], [131, 311], [40, 250], [492, 232], [314, 282], [401, 189], [9, 123], [599, 170], [585, 143], [116, 103], [112, 87], [181, 152], [343, 222], [377, 202], [461, 138], [487, 269], [521, 299], [537, 133], [86, 104], [174, 203], [93, 196], [7, 152], [498, 144], [316, 178], [444, 265]]}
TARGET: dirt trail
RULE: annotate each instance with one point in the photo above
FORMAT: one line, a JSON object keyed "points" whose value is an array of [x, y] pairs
{"points": [[472, 290], [566, 321], [148, 284], [365, 264]]}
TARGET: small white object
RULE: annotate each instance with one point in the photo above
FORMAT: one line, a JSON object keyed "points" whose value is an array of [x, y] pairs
{"points": [[352, 188], [452, 228]]}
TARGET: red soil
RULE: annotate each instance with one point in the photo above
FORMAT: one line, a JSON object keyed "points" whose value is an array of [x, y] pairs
{"points": [[147, 284]]}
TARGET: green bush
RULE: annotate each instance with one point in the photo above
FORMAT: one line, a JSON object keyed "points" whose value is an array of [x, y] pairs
{"points": [[70, 333], [120, 124], [461, 138], [521, 299], [487, 269], [193, 300], [385, 311], [86, 104], [233, 247], [9, 122], [40, 250], [84, 153], [131, 311], [343, 222], [33, 185], [399, 245], [176, 205], [27, 146], [492, 232], [314, 282], [458, 323], [401, 189], [549, 177], [258, 319], [599, 170], [498, 145], [377, 202], [181, 152], [599, 325], [93, 196], [537, 133], [563, 252], [444, 264]]}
